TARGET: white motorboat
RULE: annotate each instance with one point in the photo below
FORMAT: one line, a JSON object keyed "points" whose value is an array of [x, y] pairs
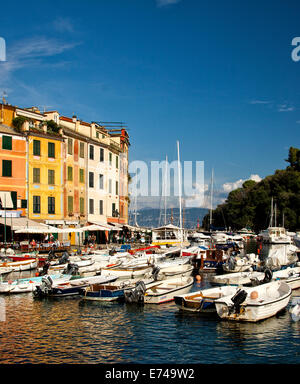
{"points": [[129, 272], [183, 270], [256, 303], [5, 270], [236, 278], [275, 235], [18, 266], [29, 284], [203, 301]]}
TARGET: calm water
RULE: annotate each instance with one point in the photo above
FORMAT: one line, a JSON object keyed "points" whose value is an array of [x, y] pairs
{"points": [[69, 330]]}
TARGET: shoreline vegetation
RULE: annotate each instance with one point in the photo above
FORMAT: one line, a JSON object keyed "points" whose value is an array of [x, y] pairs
{"points": [[249, 206]]}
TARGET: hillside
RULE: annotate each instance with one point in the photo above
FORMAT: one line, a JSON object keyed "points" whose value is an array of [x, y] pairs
{"points": [[250, 205]]}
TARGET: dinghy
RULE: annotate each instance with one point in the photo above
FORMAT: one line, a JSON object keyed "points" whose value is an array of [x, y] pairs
{"points": [[160, 292], [127, 272], [69, 288], [203, 301], [29, 284], [256, 303], [18, 266]]}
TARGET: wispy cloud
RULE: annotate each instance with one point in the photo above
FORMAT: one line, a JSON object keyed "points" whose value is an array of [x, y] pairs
{"points": [[164, 3], [285, 108], [260, 102], [63, 24]]}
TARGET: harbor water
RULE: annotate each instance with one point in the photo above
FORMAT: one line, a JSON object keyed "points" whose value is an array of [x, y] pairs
{"points": [[73, 331]]}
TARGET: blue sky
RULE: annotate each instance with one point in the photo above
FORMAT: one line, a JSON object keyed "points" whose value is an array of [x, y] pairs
{"points": [[217, 76]]}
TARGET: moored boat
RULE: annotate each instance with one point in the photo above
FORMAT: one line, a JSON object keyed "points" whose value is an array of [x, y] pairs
{"points": [[203, 301], [18, 266], [255, 304]]}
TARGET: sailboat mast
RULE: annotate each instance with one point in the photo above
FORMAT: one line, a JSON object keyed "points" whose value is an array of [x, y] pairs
{"points": [[211, 198], [275, 214], [271, 218], [165, 189], [179, 186]]}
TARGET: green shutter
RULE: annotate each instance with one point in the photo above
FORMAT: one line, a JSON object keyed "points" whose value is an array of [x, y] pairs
{"points": [[6, 168], [81, 202], [7, 142], [51, 177], [70, 204], [36, 148], [70, 173], [51, 150], [36, 175]]}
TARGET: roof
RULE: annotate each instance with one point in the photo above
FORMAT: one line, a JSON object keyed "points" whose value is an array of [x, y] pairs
{"points": [[6, 129]]}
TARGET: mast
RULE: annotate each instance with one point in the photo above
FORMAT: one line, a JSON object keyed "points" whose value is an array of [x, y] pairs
{"points": [[211, 198], [179, 187], [165, 189], [271, 218], [275, 215]]}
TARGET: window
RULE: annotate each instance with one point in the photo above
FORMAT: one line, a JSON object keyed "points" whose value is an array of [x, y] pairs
{"points": [[81, 175], [101, 154], [70, 204], [113, 209], [91, 204], [117, 187], [100, 207], [110, 158], [81, 150], [117, 162], [91, 179], [51, 150], [101, 181], [51, 205], [91, 152], [36, 148], [51, 176], [70, 174], [110, 186], [6, 168], [7, 142], [23, 203], [81, 205], [97, 134], [36, 204], [36, 175], [70, 146]]}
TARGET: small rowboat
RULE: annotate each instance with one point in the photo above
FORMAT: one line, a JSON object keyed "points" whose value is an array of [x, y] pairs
{"points": [[256, 303], [18, 266], [160, 292], [203, 301]]}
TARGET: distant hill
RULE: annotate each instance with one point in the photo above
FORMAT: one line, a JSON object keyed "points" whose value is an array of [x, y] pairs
{"points": [[154, 217]]}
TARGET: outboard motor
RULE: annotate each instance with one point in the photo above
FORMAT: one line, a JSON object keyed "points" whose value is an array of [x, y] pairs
{"points": [[45, 288], [111, 252], [237, 300], [64, 259], [45, 268], [137, 294], [51, 255], [71, 269], [155, 272], [268, 276]]}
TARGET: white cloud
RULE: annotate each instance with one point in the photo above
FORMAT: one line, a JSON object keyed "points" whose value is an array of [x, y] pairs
{"points": [[63, 24], [260, 102], [228, 187]]}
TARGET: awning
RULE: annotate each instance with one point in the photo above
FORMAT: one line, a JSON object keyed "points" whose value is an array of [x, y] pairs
{"points": [[95, 227], [56, 222], [46, 229], [21, 222], [6, 201]]}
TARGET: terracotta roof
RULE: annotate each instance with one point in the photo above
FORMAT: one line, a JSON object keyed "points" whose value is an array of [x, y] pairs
{"points": [[6, 129]]}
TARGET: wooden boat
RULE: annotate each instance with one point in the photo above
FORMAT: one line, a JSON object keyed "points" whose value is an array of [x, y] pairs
{"points": [[256, 303], [110, 291], [28, 284], [165, 290], [70, 287], [18, 266], [203, 301], [127, 272]]}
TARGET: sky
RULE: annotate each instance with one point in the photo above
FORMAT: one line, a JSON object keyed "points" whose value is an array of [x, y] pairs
{"points": [[217, 76]]}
